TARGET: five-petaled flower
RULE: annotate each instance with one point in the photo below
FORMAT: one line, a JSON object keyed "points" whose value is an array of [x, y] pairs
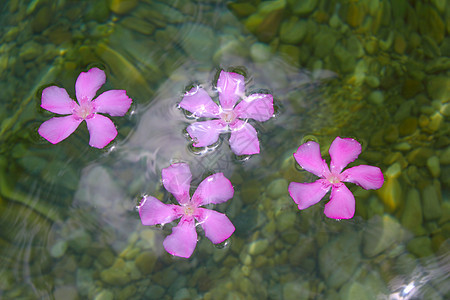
{"points": [[227, 117], [101, 129], [183, 239], [342, 202]]}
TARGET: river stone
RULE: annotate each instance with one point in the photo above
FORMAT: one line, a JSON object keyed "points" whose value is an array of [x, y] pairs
{"points": [[391, 194], [42, 19], [324, 42], [116, 275], [438, 88], [198, 41], [286, 220], [292, 31], [339, 258], [30, 50], [444, 158], [65, 292], [294, 290], [277, 188], [430, 23], [420, 246], [355, 47], [122, 6], [138, 25], [79, 240], [354, 290], [419, 156], [433, 166], [104, 295], [106, 258], [355, 14], [381, 233], [412, 214], [154, 292], [145, 262], [257, 247], [85, 280], [302, 7], [376, 97], [408, 126], [58, 249], [430, 203], [260, 52]]}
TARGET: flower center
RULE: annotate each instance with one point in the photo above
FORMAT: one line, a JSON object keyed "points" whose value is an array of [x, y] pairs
{"points": [[228, 116], [189, 210], [334, 179], [84, 110]]}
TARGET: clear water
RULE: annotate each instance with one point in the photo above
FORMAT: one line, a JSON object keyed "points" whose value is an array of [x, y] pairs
{"points": [[377, 71]]}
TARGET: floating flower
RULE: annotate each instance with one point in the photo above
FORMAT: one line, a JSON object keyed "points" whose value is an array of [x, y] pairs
{"points": [[101, 129], [342, 202], [183, 239], [227, 117]]}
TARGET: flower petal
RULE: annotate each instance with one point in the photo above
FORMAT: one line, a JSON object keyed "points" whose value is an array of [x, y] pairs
{"points": [[56, 100], [101, 130], [256, 106], [59, 128], [213, 189], [88, 83], [309, 158], [177, 180], [113, 102], [205, 133], [153, 212], [368, 177], [244, 139], [308, 194], [342, 152], [341, 204], [198, 102], [231, 87], [183, 239], [216, 225]]}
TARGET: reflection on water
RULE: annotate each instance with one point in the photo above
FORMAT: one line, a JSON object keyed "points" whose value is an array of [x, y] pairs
{"points": [[373, 70]]}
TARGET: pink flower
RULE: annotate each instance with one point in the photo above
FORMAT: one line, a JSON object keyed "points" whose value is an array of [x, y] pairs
{"points": [[183, 239], [342, 201], [228, 117], [101, 129]]}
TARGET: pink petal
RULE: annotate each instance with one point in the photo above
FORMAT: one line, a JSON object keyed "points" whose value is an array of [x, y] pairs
{"points": [[256, 106], [183, 239], [59, 128], [213, 189], [206, 133], [88, 83], [368, 177], [101, 130], [231, 88], [216, 225], [308, 194], [341, 204], [343, 152], [113, 102], [244, 139], [309, 158], [177, 180], [153, 212], [56, 100], [198, 102]]}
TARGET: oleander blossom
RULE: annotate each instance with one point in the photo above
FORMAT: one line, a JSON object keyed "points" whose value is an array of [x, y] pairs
{"points": [[101, 129], [228, 116], [342, 202], [183, 239]]}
